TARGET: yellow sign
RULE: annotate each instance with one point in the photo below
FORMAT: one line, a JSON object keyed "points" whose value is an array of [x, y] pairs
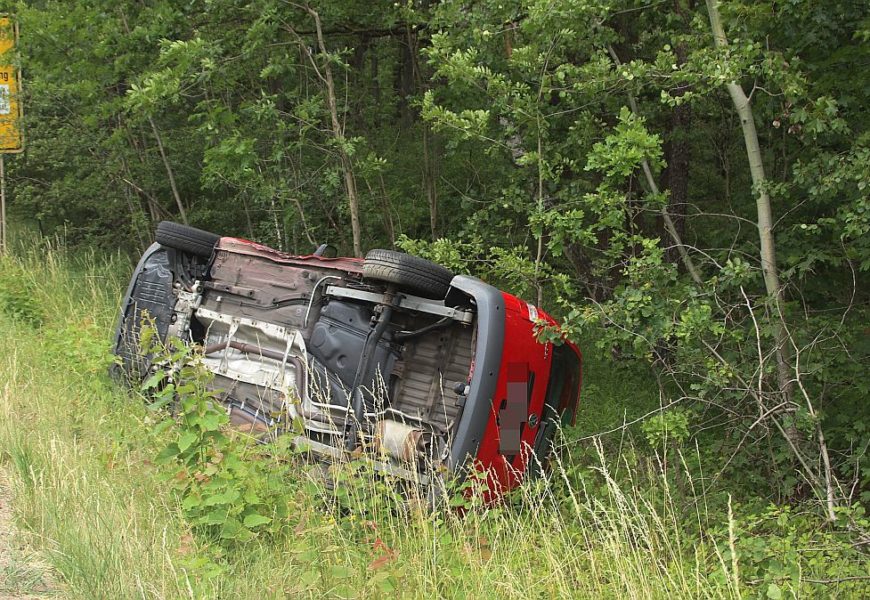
{"points": [[11, 139]]}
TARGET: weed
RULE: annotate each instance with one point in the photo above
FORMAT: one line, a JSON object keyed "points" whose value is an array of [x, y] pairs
{"points": [[17, 294], [22, 577]]}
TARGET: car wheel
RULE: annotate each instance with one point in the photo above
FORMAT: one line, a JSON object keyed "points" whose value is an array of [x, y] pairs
{"points": [[409, 273], [188, 239]]}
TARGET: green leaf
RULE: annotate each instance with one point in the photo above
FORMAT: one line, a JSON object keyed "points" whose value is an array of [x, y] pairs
{"points": [[340, 572], [153, 381], [163, 426], [210, 421], [774, 592], [171, 451], [216, 517], [161, 401], [255, 520], [186, 440], [191, 502], [233, 530], [384, 581], [307, 578], [228, 497]]}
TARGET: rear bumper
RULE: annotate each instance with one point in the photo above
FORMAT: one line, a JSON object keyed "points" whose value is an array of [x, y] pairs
{"points": [[490, 338]]}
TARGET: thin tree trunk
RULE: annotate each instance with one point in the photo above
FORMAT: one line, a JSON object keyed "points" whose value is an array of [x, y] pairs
{"points": [[430, 180], [156, 211], [358, 78], [169, 172], [150, 202], [539, 256], [338, 133], [679, 160], [430, 153], [762, 202], [386, 208], [133, 218], [279, 238], [654, 188], [405, 78], [305, 230], [248, 217], [768, 267], [376, 87]]}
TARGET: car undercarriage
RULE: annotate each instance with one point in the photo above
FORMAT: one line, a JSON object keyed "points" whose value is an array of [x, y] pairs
{"points": [[393, 355]]}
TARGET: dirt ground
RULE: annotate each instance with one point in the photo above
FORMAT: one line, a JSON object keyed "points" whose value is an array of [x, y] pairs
{"points": [[22, 575]]}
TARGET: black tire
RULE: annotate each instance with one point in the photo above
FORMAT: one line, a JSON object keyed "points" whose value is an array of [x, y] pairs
{"points": [[188, 239], [409, 273]]}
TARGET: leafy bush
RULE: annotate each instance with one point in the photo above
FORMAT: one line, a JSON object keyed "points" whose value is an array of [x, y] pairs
{"points": [[18, 294], [229, 490]]}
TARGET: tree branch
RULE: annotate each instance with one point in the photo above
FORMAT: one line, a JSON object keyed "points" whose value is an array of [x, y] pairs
{"points": [[654, 188], [169, 171]]}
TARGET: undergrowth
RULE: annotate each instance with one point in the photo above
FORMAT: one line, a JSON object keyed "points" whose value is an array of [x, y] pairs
{"points": [[127, 500]]}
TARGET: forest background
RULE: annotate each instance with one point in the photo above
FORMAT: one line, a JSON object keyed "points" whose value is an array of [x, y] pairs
{"points": [[686, 185]]}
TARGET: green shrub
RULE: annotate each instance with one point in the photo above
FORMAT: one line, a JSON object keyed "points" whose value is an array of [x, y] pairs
{"points": [[18, 294]]}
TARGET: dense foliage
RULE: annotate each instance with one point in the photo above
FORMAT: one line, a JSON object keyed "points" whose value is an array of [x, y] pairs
{"points": [[686, 184]]}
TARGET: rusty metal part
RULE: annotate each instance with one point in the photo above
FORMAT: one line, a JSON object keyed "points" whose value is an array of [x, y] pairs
{"points": [[240, 246], [398, 440], [247, 348]]}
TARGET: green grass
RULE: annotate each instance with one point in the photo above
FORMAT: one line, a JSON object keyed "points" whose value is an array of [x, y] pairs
{"points": [[87, 488]]}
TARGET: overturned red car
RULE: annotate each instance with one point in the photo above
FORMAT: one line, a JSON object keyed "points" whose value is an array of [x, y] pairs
{"points": [[393, 356]]}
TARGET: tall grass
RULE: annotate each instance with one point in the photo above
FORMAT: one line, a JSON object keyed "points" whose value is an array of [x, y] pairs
{"points": [[80, 455]]}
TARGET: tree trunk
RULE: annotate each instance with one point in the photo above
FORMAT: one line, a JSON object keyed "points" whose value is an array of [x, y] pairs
{"points": [[376, 87], [2, 206], [430, 148], [654, 188], [405, 78], [771, 275], [248, 222], [338, 134], [388, 210], [539, 254], [169, 172], [430, 181], [359, 80], [679, 160], [762, 202]]}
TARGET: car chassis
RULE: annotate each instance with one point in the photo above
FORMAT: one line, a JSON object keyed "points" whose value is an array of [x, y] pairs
{"points": [[393, 356]]}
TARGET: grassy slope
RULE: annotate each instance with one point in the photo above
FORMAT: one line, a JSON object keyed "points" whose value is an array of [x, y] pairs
{"points": [[79, 452]]}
